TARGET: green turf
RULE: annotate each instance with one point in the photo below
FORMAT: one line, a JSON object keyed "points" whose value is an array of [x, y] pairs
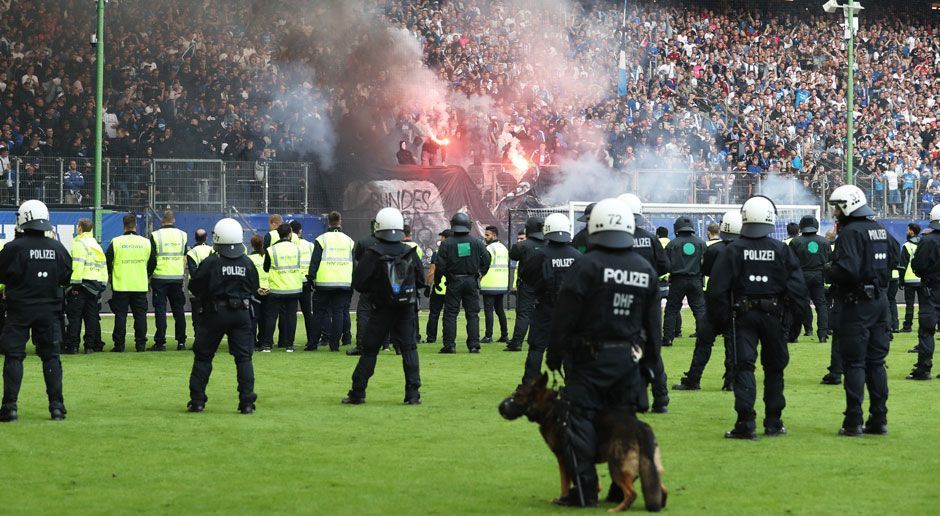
{"points": [[129, 447]]}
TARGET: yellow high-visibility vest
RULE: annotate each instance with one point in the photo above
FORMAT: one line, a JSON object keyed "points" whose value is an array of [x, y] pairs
{"points": [[129, 270], [273, 237], [285, 276], [306, 251], [909, 276], [336, 262], [496, 278], [199, 253], [415, 246], [171, 253], [258, 260], [88, 260]]}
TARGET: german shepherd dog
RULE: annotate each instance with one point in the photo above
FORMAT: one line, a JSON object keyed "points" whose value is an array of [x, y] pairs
{"points": [[625, 443]]}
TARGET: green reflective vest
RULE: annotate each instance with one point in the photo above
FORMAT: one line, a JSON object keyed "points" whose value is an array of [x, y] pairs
{"points": [[199, 253], [258, 260], [88, 260], [285, 276], [496, 278], [306, 252], [171, 253], [129, 270], [909, 276], [274, 237], [414, 245], [336, 263]]}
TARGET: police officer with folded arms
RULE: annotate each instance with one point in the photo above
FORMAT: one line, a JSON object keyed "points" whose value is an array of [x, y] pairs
{"points": [[751, 281], [525, 294], [331, 271], [195, 256], [306, 295], [860, 272], [463, 260], [605, 327], [437, 291], [224, 284], [926, 264], [391, 274], [168, 244], [494, 285], [131, 263], [89, 281], [34, 269], [813, 252], [285, 282], [685, 254]]}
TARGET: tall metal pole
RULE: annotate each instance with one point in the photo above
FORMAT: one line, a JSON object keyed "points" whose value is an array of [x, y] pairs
{"points": [[850, 94], [99, 116]]}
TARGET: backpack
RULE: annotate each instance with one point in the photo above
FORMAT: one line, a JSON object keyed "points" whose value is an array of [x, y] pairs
{"points": [[398, 285]]}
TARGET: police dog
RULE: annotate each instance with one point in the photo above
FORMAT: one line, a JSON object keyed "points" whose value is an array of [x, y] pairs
{"points": [[625, 443]]}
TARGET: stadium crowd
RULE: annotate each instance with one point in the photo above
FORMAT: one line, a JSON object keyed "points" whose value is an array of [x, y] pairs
{"points": [[734, 96]]}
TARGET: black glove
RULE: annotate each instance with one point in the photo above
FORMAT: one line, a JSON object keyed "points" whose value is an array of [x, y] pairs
{"points": [[427, 292], [553, 362]]}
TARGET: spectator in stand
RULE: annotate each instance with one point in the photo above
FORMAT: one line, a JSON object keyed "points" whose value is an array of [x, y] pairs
{"points": [[894, 194], [6, 176], [909, 186], [405, 157], [74, 182]]}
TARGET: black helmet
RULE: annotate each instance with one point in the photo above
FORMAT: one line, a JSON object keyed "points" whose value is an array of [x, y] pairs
{"points": [[533, 228], [587, 212], [683, 224], [809, 224], [460, 223]]}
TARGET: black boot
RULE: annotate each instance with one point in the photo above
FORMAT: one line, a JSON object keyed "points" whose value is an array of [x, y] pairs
{"points": [[8, 413]]}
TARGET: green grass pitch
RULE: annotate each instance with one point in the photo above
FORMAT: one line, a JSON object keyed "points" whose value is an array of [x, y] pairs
{"points": [[128, 446]]}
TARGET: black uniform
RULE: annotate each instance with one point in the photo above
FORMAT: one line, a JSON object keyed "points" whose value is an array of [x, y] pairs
{"points": [[926, 264], [435, 304], [194, 305], [224, 287], [649, 247], [34, 269], [685, 254], [860, 272], [705, 334], [580, 241], [463, 259], [894, 256], [545, 271], [607, 306], [751, 281], [812, 250], [363, 304], [525, 293], [913, 291], [385, 318]]}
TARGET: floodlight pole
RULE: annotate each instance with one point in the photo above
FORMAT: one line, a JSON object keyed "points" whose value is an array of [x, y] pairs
{"points": [[99, 115], [850, 94]]}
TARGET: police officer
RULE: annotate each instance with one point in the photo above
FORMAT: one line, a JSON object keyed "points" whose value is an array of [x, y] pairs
{"points": [[393, 305], [813, 252], [331, 271], [463, 260], [685, 254], [224, 284], [306, 295], [259, 300], [495, 285], [662, 234], [168, 244], [545, 271], [285, 284], [580, 240], [89, 281], [705, 335], [926, 264], [752, 278], [793, 231], [130, 263], [364, 304], [606, 320], [525, 294], [909, 279], [417, 247], [894, 256], [437, 291], [274, 222], [194, 257], [860, 272], [34, 269]]}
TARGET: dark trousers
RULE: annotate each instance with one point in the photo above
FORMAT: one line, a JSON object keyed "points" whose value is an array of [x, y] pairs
{"points": [[347, 322], [912, 294], [82, 306], [258, 320], [705, 337], [682, 287], [3, 311], [43, 322], [893, 304], [161, 291], [281, 314], [609, 380], [466, 292], [307, 309], [525, 304], [137, 302], [494, 303], [236, 324], [817, 293], [539, 334], [399, 322], [435, 307], [835, 356], [329, 306], [929, 315], [864, 338], [751, 327], [363, 314]]}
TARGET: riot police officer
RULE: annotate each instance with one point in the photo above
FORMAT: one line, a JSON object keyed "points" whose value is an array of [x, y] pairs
{"points": [[494, 285], [195, 256], [685, 254], [463, 260], [391, 274], [364, 304], [607, 319], [285, 284], [331, 271], [729, 231], [130, 263], [860, 272], [437, 292], [813, 252], [34, 269], [168, 245], [224, 284], [89, 281], [752, 279], [545, 271], [580, 240], [525, 294], [926, 264]]}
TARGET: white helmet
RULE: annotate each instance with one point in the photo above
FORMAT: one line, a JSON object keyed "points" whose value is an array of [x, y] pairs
{"points": [[935, 217], [228, 238], [557, 228], [635, 204], [33, 214], [389, 225], [611, 225], [758, 217], [731, 225], [851, 200]]}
